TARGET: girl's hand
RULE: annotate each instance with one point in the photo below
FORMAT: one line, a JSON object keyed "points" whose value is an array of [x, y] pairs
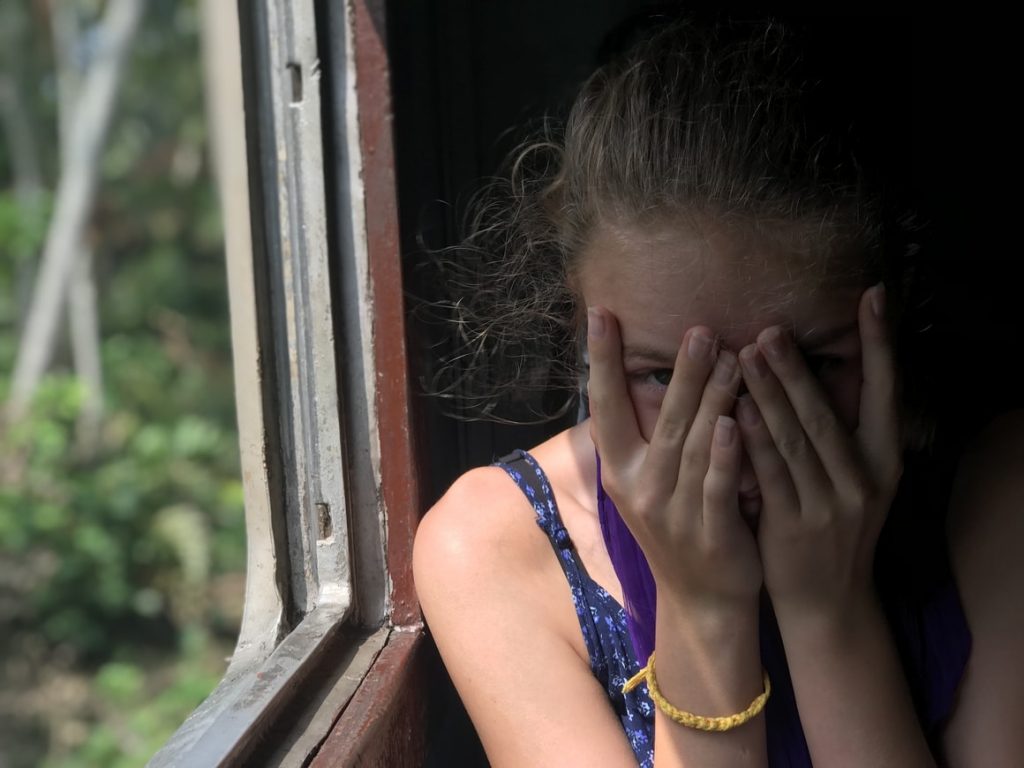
{"points": [[825, 493], [677, 493]]}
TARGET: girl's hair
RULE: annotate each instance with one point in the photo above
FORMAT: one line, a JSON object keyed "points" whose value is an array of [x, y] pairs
{"points": [[722, 122]]}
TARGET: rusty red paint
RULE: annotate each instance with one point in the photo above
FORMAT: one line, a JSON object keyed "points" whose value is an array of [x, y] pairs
{"points": [[385, 722], [399, 476]]}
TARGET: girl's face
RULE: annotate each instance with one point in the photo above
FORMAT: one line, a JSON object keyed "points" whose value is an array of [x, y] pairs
{"points": [[661, 281]]}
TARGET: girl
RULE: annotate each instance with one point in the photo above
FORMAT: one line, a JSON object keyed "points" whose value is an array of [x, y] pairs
{"points": [[737, 486]]}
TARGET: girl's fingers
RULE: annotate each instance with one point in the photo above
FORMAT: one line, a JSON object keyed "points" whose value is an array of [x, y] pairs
{"points": [[613, 423], [827, 435], [721, 483], [878, 433], [717, 399], [694, 362], [773, 478], [791, 440]]}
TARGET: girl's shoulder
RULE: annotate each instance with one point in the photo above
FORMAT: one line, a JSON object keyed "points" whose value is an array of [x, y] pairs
{"points": [[485, 508], [483, 523], [499, 610], [482, 536]]}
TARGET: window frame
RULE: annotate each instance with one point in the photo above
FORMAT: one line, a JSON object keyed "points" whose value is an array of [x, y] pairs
{"points": [[331, 623]]}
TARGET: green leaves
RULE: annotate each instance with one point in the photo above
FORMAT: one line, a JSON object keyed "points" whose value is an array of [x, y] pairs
{"points": [[112, 562], [123, 524], [22, 229]]}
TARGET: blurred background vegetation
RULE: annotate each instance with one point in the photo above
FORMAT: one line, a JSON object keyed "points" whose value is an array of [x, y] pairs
{"points": [[122, 543]]}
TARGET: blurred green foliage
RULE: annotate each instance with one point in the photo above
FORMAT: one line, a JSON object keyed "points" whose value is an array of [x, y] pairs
{"points": [[120, 534], [22, 228], [139, 707], [121, 566]]}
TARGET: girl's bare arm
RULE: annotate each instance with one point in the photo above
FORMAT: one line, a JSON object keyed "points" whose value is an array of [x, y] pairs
{"points": [[987, 541], [678, 492], [499, 609]]}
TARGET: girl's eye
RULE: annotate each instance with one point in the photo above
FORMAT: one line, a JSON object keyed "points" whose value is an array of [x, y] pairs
{"points": [[658, 378], [662, 376]]}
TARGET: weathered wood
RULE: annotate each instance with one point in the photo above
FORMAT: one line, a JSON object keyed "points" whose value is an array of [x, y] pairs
{"points": [[293, 442], [384, 723], [263, 616], [297, 731], [241, 720], [357, 333], [399, 479]]}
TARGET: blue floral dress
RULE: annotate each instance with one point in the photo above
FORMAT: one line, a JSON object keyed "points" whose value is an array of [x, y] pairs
{"points": [[931, 634], [602, 618]]}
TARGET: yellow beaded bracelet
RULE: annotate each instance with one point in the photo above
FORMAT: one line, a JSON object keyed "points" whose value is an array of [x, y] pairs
{"points": [[689, 719]]}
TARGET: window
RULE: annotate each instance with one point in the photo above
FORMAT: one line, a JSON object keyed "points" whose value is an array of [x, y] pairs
{"points": [[314, 271]]}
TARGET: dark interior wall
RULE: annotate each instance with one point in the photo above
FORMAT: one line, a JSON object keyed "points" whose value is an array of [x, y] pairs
{"points": [[965, 150], [467, 77]]}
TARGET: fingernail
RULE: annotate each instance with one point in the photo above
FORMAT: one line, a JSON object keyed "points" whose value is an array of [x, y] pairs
{"points": [[747, 411], [878, 301], [773, 343], [595, 323], [753, 363], [725, 368], [700, 345], [725, 431]]}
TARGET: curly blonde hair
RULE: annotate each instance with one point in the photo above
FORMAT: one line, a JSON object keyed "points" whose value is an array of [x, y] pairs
{"points": [[726, 122]]}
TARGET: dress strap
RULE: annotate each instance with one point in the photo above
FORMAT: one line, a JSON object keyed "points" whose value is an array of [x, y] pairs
{"points": [[602, 620], [532, 481]]}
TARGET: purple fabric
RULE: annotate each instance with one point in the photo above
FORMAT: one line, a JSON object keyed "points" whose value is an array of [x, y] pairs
{"points": [[932, 636], [935, 643], [639, 594]]}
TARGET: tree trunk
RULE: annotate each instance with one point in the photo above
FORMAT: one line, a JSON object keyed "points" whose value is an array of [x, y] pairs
{"points": [[73, 202], [84, 328], [83, 313]]}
